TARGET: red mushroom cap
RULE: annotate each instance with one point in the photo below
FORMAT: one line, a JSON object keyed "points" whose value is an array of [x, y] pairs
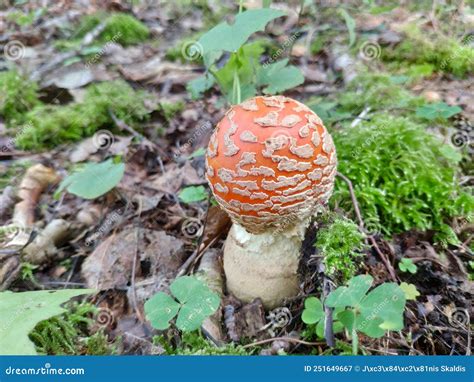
{"points": [[270, 161]]}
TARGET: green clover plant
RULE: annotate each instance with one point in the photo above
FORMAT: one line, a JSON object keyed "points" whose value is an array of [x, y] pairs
{"points": [[406, 265], [192, 302], [358, 310]]}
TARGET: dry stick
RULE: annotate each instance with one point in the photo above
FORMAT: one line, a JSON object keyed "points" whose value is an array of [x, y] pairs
{"points": [[289, 339], [372, 240], [328, 324], [132, 281]]}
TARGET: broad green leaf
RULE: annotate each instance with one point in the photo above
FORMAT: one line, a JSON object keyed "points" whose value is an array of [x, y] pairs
{"points": [[93, 180], [350, 24], [193, 313], [229, 38], [351, 295], [411, 293], [313, 310], [160, 309], [193, 194], [386, 302], [370, 325], [347, 318], [438, 110], [21, 312], [186, 287], [278, 77], [198, 86]]}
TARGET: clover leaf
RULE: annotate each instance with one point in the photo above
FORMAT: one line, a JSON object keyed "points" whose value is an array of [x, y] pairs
{"points": [[192, 302], [406, 265], [411, 293], [372, 313], [438, 110], [313, 310]]}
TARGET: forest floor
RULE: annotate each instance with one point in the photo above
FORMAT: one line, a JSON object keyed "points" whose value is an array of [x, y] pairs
{"points": [[81, 83]]}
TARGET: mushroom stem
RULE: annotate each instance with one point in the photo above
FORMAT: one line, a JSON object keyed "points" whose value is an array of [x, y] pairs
{"points": [[263, 265]]}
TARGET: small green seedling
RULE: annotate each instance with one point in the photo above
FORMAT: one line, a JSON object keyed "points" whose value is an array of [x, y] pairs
{"points": [[242, 75], [93, 180], [193, 194], [371, 313], [407, 265], [192, 302], [411, 293], [439, 111]]}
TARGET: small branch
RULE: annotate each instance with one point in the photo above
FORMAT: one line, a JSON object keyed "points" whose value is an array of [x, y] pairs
{"points": [[354, 200], [372, 240]]}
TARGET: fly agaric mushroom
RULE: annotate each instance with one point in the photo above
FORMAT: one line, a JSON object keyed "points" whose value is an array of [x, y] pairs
{"points": [[270, 164]]}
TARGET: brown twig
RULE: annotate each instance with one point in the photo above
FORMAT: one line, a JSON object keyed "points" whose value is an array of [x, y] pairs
{"points": [[371, 238], [354, 200]]}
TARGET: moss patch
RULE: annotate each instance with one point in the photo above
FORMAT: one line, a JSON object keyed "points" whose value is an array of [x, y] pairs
{"points": [[50, 125], [68, 334], [122, 28], [403, 176], [17, 96], [445, 54]]}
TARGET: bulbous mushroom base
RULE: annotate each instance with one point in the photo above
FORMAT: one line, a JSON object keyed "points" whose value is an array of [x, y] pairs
{"points": [[263, 265]]}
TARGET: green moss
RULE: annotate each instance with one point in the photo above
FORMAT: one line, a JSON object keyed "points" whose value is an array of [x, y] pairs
{"points": [[50, 125], [122, 28], [68, 334], [377, 91], [445, 54], [170, 109], [403, 176], [17, 96], [338, 243], [193, 343]]}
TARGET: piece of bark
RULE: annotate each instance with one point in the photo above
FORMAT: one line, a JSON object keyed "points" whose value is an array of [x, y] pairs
{"points": [[37, 178]]}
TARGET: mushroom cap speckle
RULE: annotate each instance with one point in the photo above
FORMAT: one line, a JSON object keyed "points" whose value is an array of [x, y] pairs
{"points": [[270, 162]]}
